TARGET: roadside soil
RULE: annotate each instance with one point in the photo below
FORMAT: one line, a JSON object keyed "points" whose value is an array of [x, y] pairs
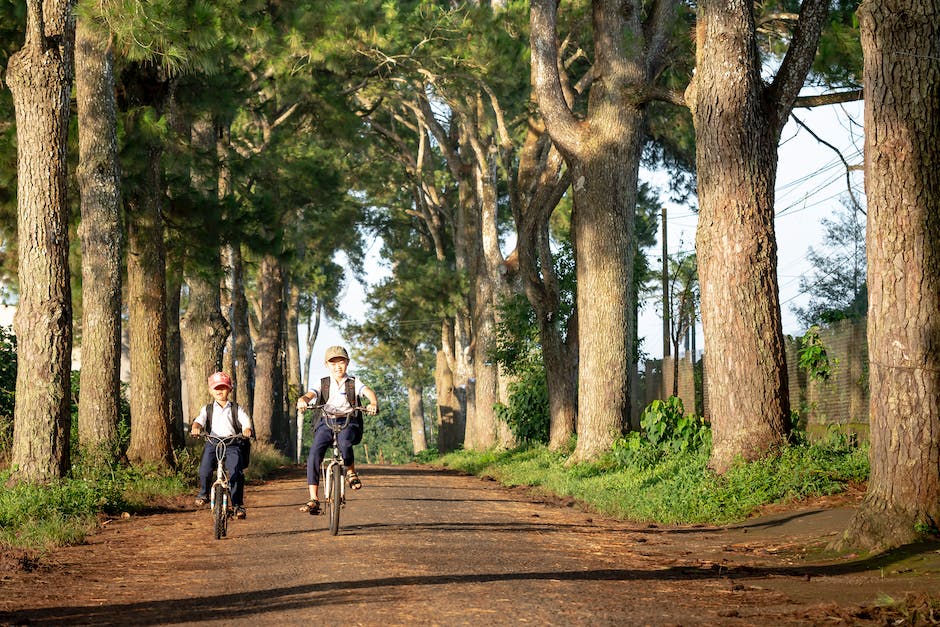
{"points": [[423, 546]]}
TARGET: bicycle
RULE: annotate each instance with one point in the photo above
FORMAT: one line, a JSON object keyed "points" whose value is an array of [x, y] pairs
{"points": [[220, 492], [333, 469]]}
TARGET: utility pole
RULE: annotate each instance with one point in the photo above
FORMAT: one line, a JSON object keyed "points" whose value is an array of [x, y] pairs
{"points": [[666, 305]]}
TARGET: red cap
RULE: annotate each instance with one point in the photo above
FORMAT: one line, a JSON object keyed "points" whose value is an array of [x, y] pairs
{"points": [[220, 380]]}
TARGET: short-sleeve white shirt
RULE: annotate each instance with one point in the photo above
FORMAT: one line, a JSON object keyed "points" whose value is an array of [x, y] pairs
{"points": [[337, 400], [222, 420]]}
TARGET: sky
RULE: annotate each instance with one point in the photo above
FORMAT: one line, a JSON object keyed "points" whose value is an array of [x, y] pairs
{"points": [[811, 180]]}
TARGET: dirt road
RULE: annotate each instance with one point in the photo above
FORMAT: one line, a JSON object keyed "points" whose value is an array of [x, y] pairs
{"points": [[425, 547]]}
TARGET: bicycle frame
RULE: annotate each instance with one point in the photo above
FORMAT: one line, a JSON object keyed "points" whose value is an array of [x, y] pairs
{"points": [[220, 492], [333, 470]]}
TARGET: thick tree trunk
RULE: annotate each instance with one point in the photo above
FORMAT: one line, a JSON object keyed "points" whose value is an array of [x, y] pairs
{"points": [[737, 125], [204, 332], [603, 152], [902, 162], [102, 235], [268, 412], [419, 440], [151, 441], [239, 357], [605, 204], [40, 77]]}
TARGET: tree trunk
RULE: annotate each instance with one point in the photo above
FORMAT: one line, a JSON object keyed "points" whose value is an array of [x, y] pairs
{"points": [[450, 425], [603, 152], [146, 294], [737, 124], [204, 332], [419, 440], [174, 355], [313, 330], [541, 181], [40, 77], [239, 358], [604, 224], [902, 161], [268, 416], [102, 234]]}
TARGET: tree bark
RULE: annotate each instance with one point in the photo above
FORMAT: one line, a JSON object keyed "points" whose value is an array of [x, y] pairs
{"points": [[738, 121], [603, 152], [174, 355], [419, 440], [40, 77], [450, 426], [268, 416], [102, 235], [541, 181], [902, 161], [151, 442]]}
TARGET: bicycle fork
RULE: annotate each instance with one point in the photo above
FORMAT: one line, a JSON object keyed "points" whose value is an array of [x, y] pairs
{"points": [[328, 478]]}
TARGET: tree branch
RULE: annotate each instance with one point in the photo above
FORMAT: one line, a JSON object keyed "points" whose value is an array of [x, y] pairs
{"points": [[848, 168], [806, 102]]}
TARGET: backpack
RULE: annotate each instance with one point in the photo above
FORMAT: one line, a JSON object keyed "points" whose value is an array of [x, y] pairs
{"points": [[356, 417], [244, 444]]}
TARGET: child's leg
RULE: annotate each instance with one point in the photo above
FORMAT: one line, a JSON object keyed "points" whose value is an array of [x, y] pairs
{"points": [[206, 466]]}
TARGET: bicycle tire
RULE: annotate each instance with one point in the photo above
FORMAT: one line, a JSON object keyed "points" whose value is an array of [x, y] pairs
{"points": [[219, 513], [336, 491]]}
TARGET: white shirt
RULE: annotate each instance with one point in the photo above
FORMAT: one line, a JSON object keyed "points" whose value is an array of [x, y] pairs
{"points": [[337, 400], [222, 420]]}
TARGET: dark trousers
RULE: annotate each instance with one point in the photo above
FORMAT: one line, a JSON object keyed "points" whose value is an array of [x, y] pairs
{"points": [[322, 440], [233, 464]]}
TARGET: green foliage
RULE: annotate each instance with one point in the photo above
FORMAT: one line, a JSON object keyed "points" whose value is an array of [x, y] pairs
{"points": [[678, 487], [813, 357], [666, 430], [527, 413]]}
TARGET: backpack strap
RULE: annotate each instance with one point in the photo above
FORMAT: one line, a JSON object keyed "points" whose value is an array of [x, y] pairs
{"points": [[324, 390], [351, 391]]}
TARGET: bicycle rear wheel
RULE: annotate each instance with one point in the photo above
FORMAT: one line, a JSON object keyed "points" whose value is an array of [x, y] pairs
{"points": [[335, 500], [219, 513]]}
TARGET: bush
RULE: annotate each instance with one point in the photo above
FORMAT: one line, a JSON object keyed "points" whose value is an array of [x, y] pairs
{"points": [[527, 414]]}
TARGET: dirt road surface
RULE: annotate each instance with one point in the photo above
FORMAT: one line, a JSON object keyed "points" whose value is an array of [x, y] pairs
{"points": [[420, 546]]}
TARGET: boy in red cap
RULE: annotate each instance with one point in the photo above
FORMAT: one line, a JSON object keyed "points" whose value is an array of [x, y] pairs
{"points": [[222, 425]]}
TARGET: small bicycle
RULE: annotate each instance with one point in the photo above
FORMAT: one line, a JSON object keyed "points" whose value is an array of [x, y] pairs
{"points": [[333, 470], [220, 492]]}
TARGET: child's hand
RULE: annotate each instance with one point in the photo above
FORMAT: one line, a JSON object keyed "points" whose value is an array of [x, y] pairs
{"points": [[247, 433], [372, 410], [195, 430]]}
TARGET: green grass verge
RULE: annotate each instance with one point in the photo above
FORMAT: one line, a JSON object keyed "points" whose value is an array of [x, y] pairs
{"points": [[677, 488], [41, 517]]}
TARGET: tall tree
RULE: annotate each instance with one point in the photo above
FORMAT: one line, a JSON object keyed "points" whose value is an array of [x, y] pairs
{"points": [[40, 77], [738, 119], [901, 44], [603, 150], [836, 286], [102, 235]]}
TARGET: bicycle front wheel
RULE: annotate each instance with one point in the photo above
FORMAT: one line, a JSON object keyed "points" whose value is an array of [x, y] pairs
{"points": [[336, 496], [219, 513]]}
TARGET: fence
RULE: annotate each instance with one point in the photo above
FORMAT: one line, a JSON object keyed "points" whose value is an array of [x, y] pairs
{"points": [[842, 400]]}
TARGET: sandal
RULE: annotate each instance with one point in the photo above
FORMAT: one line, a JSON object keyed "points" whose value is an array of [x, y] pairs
{"points": [[311, 507], [353, 480]]}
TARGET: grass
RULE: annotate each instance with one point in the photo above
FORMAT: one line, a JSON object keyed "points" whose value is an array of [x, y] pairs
{"points": [[41, 517], [675, 487]]}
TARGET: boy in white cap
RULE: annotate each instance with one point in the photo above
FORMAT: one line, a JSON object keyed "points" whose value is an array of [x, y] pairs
{"points": [[337, 392]]}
